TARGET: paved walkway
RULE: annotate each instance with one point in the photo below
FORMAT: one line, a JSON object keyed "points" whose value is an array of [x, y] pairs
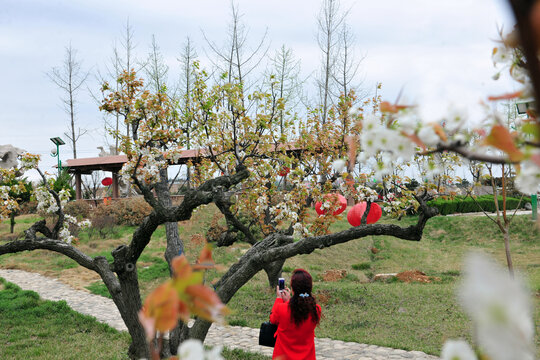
{"points": [[104, 310], [480, 213]]}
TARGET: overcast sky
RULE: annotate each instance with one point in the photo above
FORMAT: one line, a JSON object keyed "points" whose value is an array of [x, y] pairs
{"points": [[436, 52]]}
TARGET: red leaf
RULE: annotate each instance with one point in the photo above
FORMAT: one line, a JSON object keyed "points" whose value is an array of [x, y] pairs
{"points": [[501, 138], [506, 96], [205, 303], [385, 106], [181, 267], [439, 131], [415, 139], [162, 306], [536, 159], [205, 260]]}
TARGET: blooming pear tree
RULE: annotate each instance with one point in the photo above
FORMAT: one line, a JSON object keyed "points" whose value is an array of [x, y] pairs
{"points": [[246, 151]]}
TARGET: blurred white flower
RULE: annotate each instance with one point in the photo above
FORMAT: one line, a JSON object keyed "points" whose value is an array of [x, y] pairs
{"points": [[518, 73], [501, 55], [428, 136], [456, 119], [404, 148], [528, 179], [370, 123], [500, 308], [339, 165], [193, 350], [408, 120], [457, 350]]}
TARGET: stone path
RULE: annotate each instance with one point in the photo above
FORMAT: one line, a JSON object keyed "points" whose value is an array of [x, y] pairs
{"points": [[104, 310]]}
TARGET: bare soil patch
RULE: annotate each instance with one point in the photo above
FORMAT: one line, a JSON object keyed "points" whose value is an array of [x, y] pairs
{"points": [[415, 276], [334, 275], [78, 277]]}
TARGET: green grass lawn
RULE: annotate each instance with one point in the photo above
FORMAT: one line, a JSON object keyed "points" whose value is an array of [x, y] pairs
{"points": [[411, 316], [31, 328]]}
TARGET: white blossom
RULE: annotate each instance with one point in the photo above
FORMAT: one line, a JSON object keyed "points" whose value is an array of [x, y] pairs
{"points": [[339, 165], [502, 55], [262, 204], [193, 350], [408, 121], [428, 136], [519, 73], [300, 230], [456, 119], [528, 179], [457, 350], [501, 309]]}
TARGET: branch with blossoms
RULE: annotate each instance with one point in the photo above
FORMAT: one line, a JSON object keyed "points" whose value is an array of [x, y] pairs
{"points": [[58, 239], [516, 53]]}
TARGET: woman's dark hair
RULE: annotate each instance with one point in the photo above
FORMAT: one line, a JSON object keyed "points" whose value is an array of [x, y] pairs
{"points": [[302, 303]]}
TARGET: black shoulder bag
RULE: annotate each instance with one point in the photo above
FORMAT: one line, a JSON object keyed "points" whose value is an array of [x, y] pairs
{"points": [[266, 335]]}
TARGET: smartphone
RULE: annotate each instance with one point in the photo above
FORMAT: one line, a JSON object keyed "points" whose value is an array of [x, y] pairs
{"points": [[281, 282]]}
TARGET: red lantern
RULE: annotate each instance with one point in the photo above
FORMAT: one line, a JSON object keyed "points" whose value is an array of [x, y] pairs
{"points": [[375, 213], [106, 181], [354, 216], [342, 202], [284, 171]]}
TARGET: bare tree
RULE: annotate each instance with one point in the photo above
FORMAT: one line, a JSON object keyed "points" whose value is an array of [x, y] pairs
{"points": [[285, 72], [186, 82], [156, 70], [329, 22], [347, 65], [123, 59], [234, 59], [69, 77], [92, 184]]}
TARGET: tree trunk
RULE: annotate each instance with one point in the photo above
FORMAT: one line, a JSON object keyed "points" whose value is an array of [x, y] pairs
{"points": [[12, 222], [132, 304], [125, 292], [506, 235], [273, 272], [175, 247]]}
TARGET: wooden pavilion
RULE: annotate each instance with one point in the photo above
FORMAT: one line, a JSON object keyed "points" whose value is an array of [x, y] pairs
{"points": [[113, 164]]}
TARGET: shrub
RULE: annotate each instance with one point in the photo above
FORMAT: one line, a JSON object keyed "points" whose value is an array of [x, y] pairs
{"points": [[102, 225], [63, 181], [130, 211], [29, 207], [482, 203], [362, 266], [79, 209], [412, 185]]}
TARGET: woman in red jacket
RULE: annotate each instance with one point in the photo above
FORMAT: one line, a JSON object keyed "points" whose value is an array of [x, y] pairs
{"points": [[296, 317]]}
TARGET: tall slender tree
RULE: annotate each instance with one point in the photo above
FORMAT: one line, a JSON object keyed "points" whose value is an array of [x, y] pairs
{"points": [[70, 77], [329, 22]]}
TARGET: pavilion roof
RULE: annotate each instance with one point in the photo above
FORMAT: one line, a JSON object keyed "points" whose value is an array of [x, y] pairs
{"points": [[115, 162]]}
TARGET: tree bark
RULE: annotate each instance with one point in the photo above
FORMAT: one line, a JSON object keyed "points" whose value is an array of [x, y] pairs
{"points": [[130, 302], [506, 235], [273, 272], [12, 222]]}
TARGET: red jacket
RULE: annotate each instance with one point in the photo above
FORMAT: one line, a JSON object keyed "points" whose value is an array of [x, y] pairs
{"points": [[292, 342]]}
